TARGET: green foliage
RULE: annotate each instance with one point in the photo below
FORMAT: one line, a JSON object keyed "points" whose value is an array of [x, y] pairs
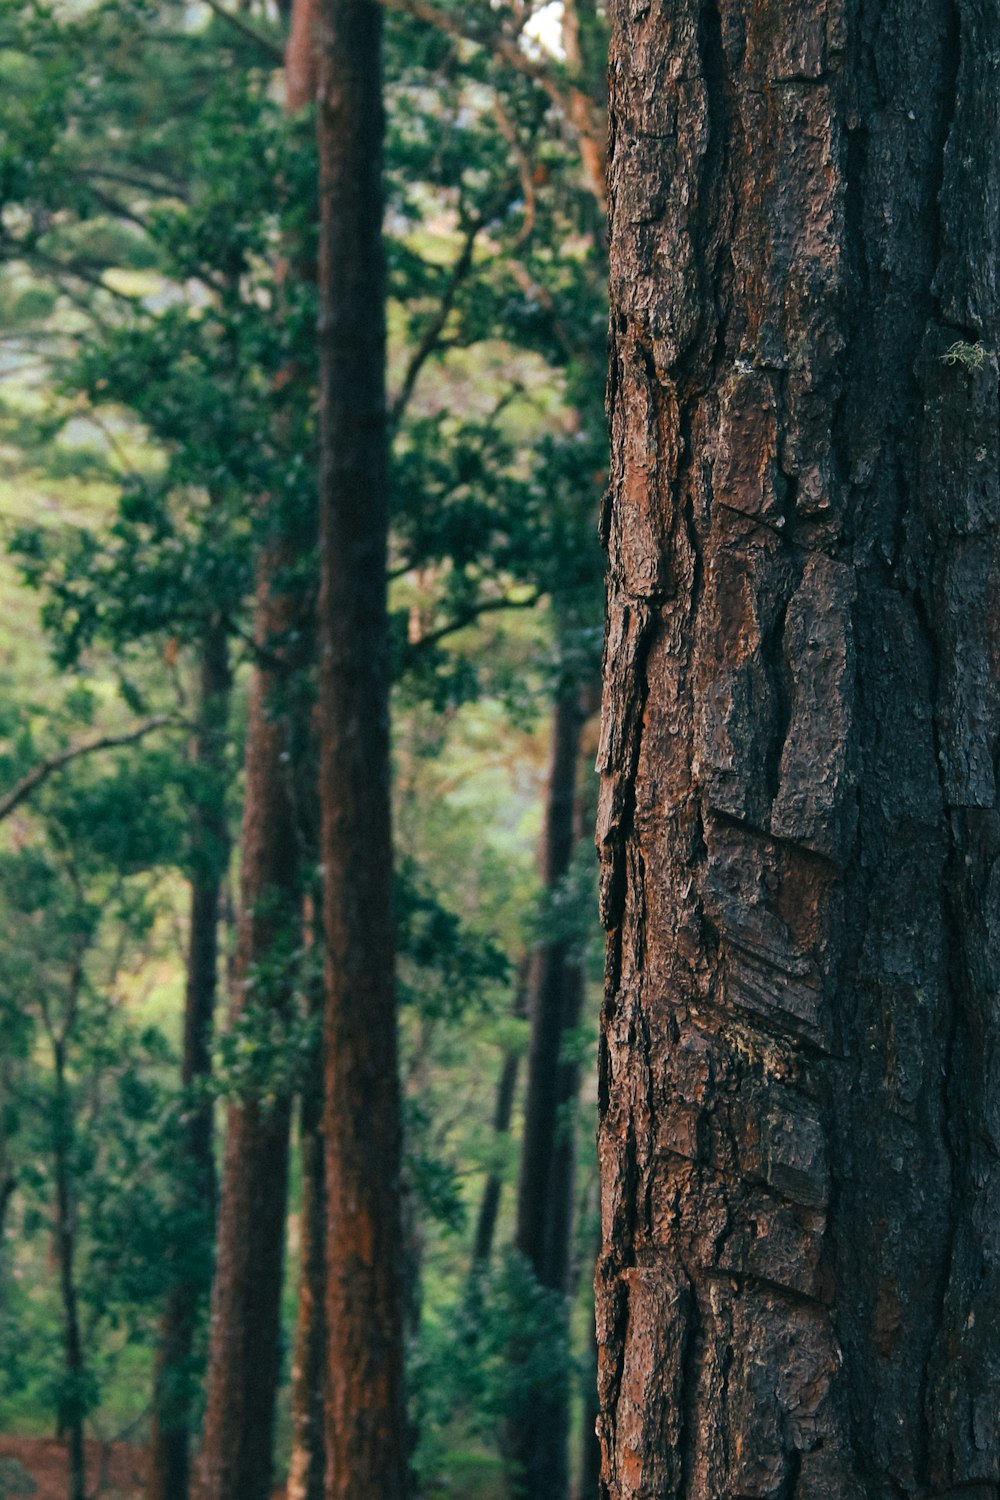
{"points": [[485, 1361], [158, 217], [972, 357]]}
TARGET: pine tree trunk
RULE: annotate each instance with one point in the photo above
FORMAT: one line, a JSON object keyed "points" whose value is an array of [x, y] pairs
{"points": [[365, 1419], [799, 1286], [538, 1434], [170, 1435], [244, 1345]]}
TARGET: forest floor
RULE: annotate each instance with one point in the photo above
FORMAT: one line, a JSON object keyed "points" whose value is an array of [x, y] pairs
{"points": [[115, 1471]]}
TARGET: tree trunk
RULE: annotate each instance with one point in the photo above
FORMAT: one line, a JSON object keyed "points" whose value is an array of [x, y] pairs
{"points": [[244, 1346], [8, 1178], [306, 1470], [538, 1433], [244, 1352], [170, 1435], [799, 1285], [306, 1474], [489, 1204], [72, 1401], [590, 1447], [307, 1464], [365, 1420]]}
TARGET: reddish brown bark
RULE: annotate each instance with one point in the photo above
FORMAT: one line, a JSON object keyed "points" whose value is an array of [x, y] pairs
{"points": [[365, 1425], [799, 1284], [170, 1435], [244, 1351]]}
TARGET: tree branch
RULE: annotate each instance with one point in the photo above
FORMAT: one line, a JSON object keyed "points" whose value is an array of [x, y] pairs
{"points": [[46, 768], [501, 45], [272, 48], [432, 333], [465, 618]]}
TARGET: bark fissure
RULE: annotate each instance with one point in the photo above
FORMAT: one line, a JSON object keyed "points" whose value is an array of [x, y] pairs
{"points": [[800, 752]]}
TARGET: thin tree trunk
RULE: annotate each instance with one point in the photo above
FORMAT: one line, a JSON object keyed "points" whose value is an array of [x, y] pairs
{"points": [[71, 1404], [306, 1474], [170, 1435], [244, 1354], [365, 1419], [538, 1434], [244, 1346], [8, 1179], [489, 1204], [307, 1465], [590, 1447], [306, 1470], [799, 1286]]}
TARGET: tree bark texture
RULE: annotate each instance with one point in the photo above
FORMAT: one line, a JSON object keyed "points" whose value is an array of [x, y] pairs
{"points": [[170, 1434], [799, 1286], [245, 1334], [365, 1420], [538, 1436]]}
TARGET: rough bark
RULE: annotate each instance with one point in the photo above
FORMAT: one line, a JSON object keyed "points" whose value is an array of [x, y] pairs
{"points": [[538, 1435], [170, 1434], [799, 1284], [365, 1421]]}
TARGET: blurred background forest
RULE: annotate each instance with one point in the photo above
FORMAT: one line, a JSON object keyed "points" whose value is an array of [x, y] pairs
{"points": [[158, 429]]}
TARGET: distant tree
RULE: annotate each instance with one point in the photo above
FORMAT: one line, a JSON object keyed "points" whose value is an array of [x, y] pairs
{"points": [[81, 1077], [170, 1438], [799, 1284]]}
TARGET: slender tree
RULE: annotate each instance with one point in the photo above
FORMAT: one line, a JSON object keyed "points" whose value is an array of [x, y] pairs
{"points": [[538, 1433], [244, 1356], [365, 1423], [72, 1408], [799, 1283], [170, 1436], [244, 1348], [306, 1473], [489, 1203]]}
